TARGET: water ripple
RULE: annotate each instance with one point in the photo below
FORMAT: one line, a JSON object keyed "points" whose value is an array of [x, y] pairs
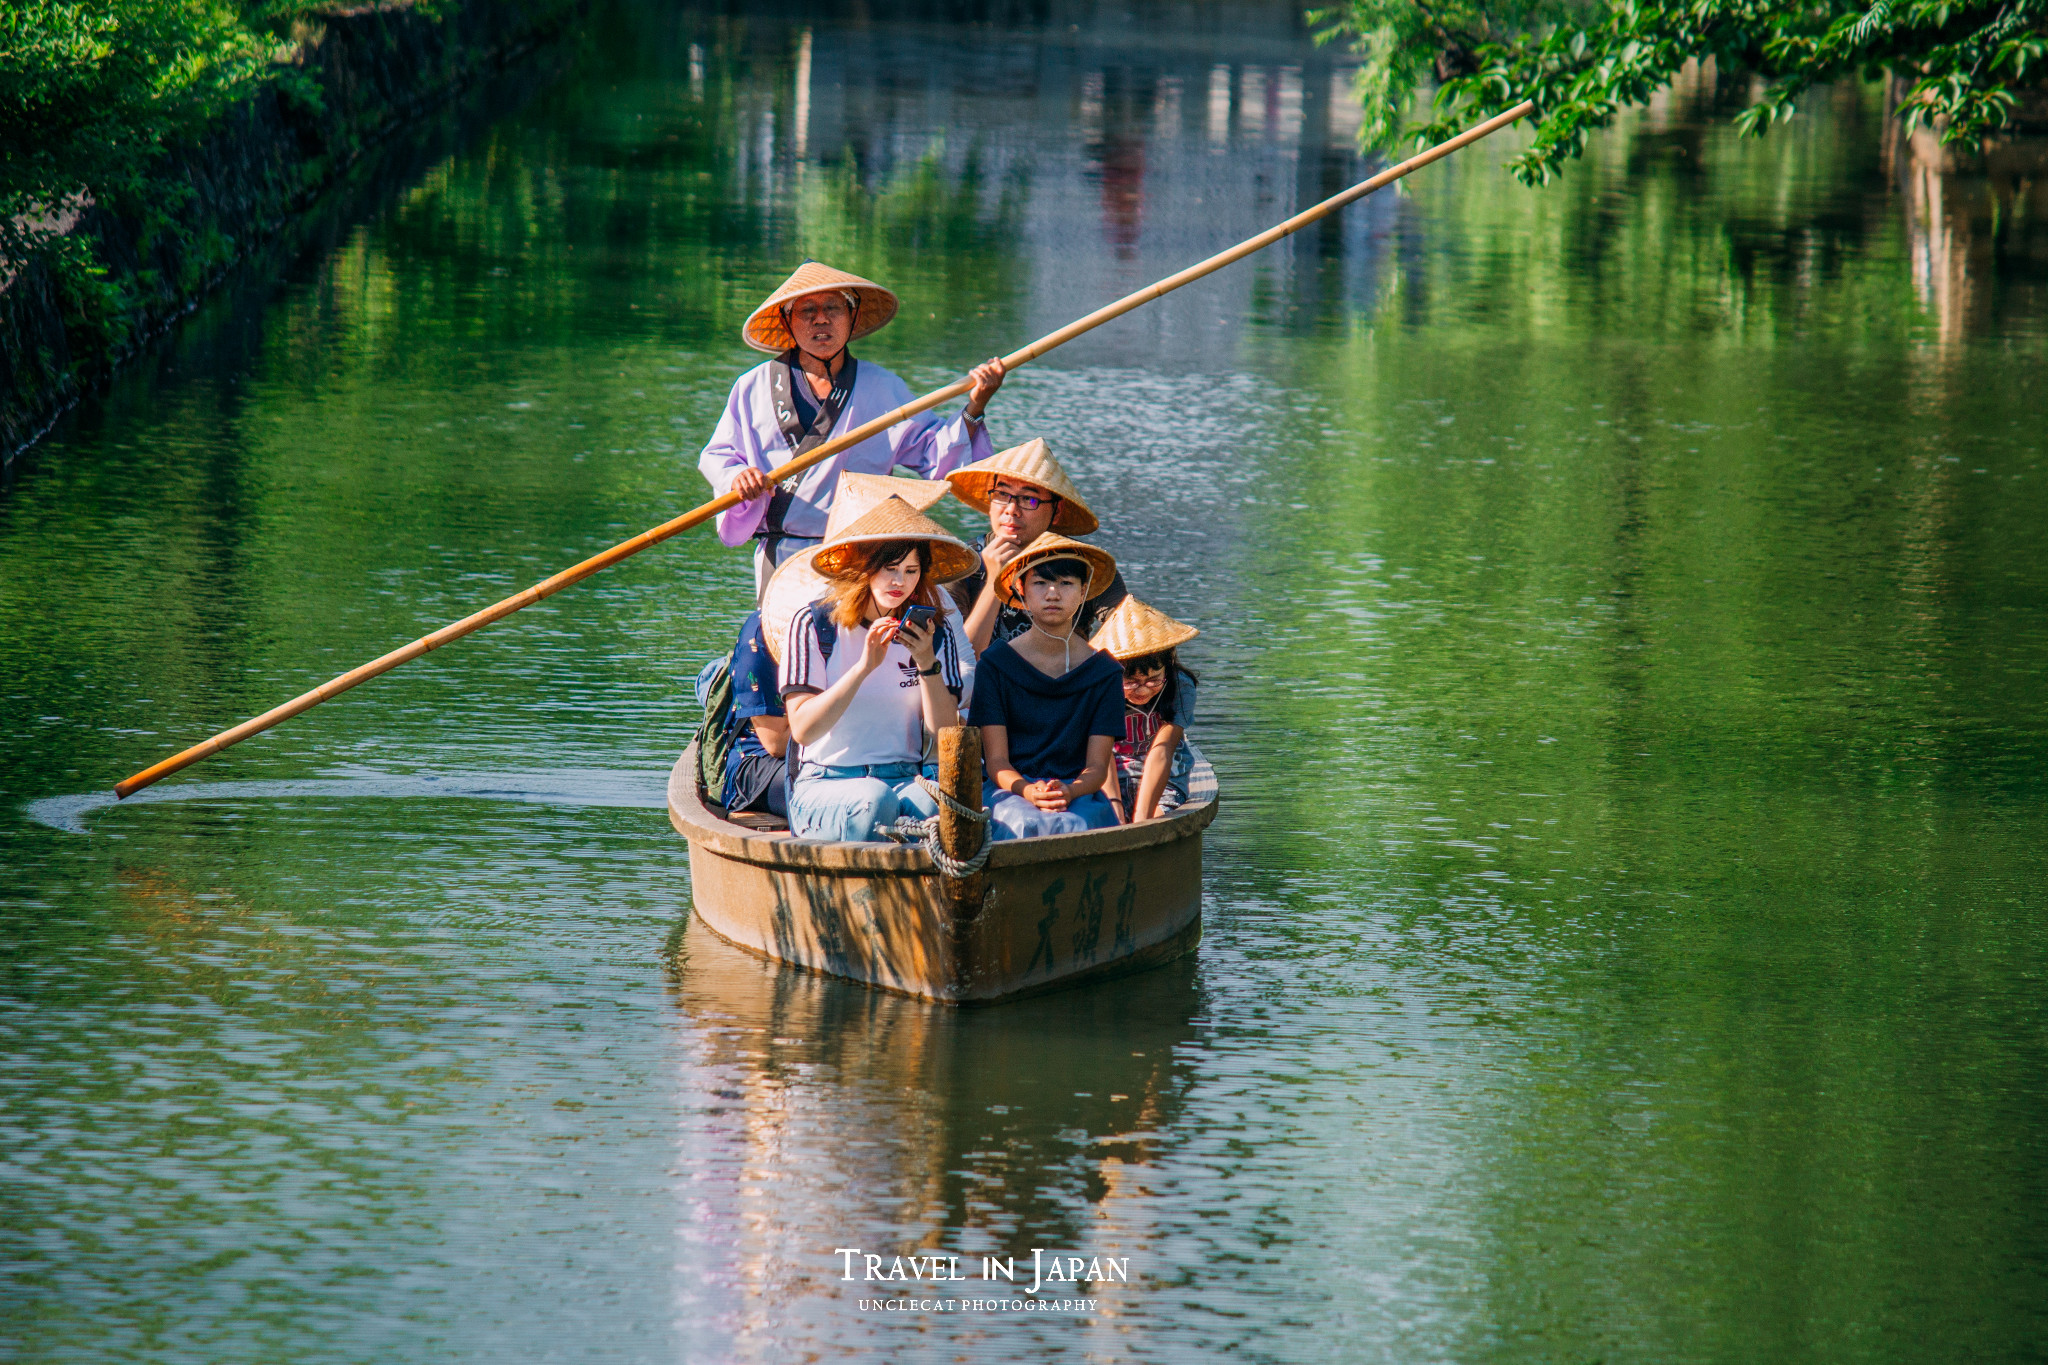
{"points": [[636, 789]]}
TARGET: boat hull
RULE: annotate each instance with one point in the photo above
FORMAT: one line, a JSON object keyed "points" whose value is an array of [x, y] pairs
{"points": [[1045, 913]]}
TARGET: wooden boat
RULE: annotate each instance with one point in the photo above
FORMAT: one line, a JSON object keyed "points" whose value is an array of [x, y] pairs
{"points": [[1043, 914]]}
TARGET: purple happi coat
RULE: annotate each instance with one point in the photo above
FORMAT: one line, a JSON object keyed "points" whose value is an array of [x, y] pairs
{"points": [[749, 436]]}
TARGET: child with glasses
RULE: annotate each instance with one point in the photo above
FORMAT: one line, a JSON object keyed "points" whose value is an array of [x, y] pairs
{"points": [[1152, 759]]}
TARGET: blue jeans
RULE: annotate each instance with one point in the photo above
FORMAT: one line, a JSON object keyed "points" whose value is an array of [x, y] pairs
{"points": [[1015, 818], [855, 804]]}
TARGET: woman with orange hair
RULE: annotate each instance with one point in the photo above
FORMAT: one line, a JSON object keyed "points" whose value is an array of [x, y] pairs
{"points": [[868, 671]]}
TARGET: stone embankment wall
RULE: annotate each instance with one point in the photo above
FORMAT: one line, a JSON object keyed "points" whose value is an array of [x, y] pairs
{"points": [[375, 68]]}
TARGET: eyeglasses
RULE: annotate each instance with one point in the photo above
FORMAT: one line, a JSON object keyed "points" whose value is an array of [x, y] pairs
{"points": [[1150, 673], [1023, 502]]}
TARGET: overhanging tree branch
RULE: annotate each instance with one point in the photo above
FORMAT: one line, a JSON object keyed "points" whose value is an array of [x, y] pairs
{"points": [[1582, 63]]}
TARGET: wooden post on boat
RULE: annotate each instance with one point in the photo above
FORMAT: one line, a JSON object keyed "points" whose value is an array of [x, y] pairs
{"points": [[960, 778]]}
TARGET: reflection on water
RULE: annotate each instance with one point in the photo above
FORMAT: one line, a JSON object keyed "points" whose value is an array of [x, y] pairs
{"points": [[824, 1115], [1622, 654], [1980, 247]]}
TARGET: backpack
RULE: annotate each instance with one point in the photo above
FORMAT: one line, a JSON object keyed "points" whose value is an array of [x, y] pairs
{"points": [[720, 728]]}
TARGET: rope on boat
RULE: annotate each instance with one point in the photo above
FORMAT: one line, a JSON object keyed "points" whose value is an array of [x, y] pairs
{"points": [[927, 831]]}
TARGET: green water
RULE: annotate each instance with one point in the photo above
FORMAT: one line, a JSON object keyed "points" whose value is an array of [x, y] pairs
{"points": [[1623, 650]]}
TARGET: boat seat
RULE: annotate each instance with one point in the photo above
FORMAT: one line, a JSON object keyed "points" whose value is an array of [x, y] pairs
{"points": [[759, 821]]}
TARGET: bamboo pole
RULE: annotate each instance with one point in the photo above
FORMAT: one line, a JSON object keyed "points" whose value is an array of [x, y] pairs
{"points": [[626, 549]]}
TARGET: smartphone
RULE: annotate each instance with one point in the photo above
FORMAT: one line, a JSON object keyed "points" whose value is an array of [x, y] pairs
{"points": [[918, 615]]}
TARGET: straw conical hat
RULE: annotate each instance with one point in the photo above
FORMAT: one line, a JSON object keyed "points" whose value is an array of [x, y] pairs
{"points": [[765, 332], [894, 519], [1132, 630], [1052, 545], [794, 586], [1031, 462], [855, 495]]}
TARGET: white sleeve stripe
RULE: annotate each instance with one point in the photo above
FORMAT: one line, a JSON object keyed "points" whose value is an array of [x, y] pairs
{"points": [[949, 659], [796, 655]]}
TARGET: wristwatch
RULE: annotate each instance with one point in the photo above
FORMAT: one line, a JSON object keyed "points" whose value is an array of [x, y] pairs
{"points": [[927, 672]]}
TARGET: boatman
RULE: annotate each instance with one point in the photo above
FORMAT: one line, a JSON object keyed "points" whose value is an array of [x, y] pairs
{"points": [[1026, 493], [812, 387]]}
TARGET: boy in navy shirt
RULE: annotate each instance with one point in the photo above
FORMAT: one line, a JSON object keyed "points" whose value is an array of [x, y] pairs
{"points": [[1050, 706]]}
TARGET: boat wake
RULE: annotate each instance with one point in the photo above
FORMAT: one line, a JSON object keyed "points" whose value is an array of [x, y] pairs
{"points": [[635, 789]]}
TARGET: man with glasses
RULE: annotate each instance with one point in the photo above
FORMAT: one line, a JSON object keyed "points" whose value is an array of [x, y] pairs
{"points": [[812, 387], [1026, 492]]}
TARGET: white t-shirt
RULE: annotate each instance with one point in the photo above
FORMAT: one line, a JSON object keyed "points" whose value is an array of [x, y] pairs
{"points": [[884, 723]]}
